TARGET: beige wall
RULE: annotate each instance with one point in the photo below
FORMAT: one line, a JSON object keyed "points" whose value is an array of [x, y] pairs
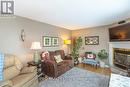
{"points": [[103, 34], [10, 42]]}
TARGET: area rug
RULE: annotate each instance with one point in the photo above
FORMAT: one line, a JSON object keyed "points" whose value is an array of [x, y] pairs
{"points": [[77, 77]]}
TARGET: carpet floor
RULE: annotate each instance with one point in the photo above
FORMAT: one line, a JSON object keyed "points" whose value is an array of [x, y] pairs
{"points": [[77, 77]]}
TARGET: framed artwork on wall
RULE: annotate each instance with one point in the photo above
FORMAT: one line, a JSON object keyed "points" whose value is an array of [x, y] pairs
{"points": [[92, 40], [46, 41], [55, 41]]}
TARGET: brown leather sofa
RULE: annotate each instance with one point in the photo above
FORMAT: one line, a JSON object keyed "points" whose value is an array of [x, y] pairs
{"points": [[53, 69]]}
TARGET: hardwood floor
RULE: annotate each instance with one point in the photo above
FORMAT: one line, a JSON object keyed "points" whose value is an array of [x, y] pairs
{"points": [[105, 71]]}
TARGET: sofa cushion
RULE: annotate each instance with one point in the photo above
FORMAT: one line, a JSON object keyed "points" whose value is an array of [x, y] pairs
{"points": [[10, 72], [9, 60], [28, 70], [60, 63], [58, 58], [7, 83], [21, 79]]}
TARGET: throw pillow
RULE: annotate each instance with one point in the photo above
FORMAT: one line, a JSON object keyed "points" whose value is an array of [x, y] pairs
{"points": [[58, 58], [90, 56], [18, 64]]}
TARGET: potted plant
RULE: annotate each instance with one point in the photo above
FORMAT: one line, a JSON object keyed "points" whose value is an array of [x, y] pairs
{"points": [[76, 46], [102, 55]]}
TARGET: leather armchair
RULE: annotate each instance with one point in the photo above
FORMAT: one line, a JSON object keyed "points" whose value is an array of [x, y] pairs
{"points": [[53, 69]]}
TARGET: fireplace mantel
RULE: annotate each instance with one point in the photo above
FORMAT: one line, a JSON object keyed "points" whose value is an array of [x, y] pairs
{"points": [[116, 45], [121, 42]]}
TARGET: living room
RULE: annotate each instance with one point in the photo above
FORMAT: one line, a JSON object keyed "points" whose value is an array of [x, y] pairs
{"points": [[45, 22]]}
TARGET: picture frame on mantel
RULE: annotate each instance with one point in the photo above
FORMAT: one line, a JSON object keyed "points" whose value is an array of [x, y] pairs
{"points": [[55, 41], [92, 40], [46, 41]]}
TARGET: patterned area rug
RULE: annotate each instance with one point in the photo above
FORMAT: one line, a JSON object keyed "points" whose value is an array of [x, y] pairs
{"points": [[77, 77]]}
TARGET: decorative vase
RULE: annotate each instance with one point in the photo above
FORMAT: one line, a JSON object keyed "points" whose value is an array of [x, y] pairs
{"points": [[80, 59], [102, 64], [36, 57]]}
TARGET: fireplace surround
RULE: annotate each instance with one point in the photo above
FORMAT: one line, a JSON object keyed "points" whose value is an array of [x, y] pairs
{"points": [[121, 45]]}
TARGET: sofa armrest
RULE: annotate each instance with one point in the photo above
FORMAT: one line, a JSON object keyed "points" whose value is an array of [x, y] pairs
{"points": [[50, 63], [28, 69], [6, 83], [49, 68], [68, 57]]}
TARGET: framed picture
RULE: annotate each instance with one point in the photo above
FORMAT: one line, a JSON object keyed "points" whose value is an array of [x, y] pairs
{"points": [[55, 41], [46, 41], [92, 40]]}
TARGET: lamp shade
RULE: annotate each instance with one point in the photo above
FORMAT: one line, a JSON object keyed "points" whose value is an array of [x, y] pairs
{"points": [[67, 41], [35, 46]]}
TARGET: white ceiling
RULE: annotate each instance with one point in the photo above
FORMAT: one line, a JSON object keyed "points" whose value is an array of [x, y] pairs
{"points": [[74, 14]]}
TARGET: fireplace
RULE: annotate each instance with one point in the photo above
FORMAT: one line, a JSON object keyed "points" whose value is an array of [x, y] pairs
{"points": [[121, 57], [120, 49]]}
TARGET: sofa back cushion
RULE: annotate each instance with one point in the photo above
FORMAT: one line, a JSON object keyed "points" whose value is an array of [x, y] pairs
{"points": [[12, 66], [9, 60], [51, 55], [10, 72], [60, 52]]}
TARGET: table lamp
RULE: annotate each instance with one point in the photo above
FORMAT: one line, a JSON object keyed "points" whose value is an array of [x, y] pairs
{"points": [[36, 46], [67, 42]]}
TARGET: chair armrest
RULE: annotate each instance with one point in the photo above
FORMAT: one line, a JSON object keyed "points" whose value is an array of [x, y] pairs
{"points": [[68, 57], [7, 83], [28, 69], [49, 68]]}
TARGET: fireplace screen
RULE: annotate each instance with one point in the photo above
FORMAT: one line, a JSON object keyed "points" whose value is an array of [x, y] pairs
{"points": [[121, 57]]}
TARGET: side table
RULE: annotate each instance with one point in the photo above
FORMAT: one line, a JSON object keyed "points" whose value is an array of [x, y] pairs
{"points": [[39, 71]]}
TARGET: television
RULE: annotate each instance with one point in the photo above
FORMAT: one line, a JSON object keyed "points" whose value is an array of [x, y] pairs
{"points": [[120, 33]]}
